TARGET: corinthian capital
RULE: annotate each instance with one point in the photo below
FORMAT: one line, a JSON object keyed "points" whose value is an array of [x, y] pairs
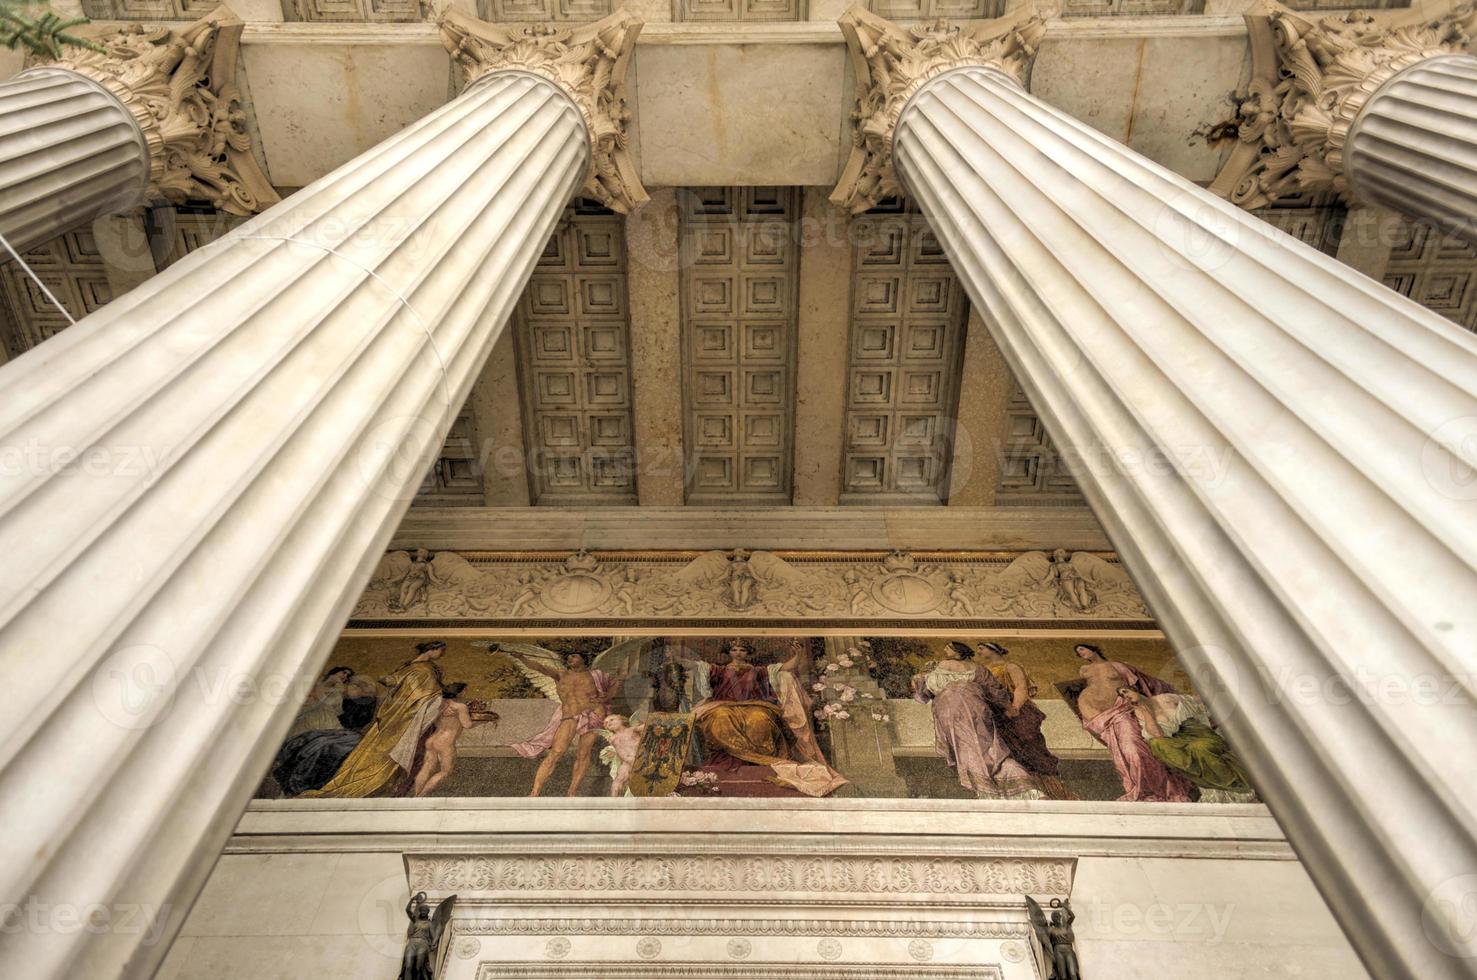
{"points": [[180, 85], [892, 62], [1309, 81], [588, 62]]}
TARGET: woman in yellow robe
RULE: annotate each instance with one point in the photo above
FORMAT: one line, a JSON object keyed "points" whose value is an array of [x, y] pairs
{"points": [[388, 748]]}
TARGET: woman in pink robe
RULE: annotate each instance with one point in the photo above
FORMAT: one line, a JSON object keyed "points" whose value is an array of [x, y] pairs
{"points": [[1110, 719]]}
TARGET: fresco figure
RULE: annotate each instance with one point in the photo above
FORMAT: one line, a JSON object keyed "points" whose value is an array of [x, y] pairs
{"points": [[1111, 720], [583, 692], [760, 715], [1020, 721], [438, 752], [321, 710], [1178, 730], [961, 694], [388, 750], [620, 754]]}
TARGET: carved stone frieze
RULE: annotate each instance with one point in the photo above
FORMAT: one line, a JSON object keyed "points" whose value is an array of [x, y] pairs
{"points": [[891, 62], [179, 83], [733, 971], [588, 62], [750, 586], [1309, 81], [761, 875]]}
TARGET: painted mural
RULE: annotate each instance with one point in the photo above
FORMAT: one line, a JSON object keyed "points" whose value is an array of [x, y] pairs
{"points": [[1025, 718]]}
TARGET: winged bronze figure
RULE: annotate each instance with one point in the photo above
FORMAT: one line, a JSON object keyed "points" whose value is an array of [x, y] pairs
{"points": [[1055, 936], [423, 936]]}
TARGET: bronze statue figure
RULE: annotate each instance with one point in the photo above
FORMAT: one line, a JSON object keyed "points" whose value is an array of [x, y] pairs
{"points": [[1055, 936], [423, 936]]}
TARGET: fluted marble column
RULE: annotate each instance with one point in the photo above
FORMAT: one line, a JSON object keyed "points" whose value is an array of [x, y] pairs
{"points": [[157, 116], [1413, 148], [69, 152], [1280, 449], [244, 433], [1374, 110]]}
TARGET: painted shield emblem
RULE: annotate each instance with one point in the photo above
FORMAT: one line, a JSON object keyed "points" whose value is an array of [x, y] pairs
{"points": [[661, 755]]}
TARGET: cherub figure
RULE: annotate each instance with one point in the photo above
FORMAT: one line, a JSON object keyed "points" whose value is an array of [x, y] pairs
{"points": [[415, 586], [625, 741], [440, 749], [583, 691]]}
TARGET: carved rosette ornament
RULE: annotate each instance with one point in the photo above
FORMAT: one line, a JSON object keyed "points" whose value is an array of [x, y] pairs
{"points": [[892, 62], [588, 62], [1310, 80], [179, 83]]}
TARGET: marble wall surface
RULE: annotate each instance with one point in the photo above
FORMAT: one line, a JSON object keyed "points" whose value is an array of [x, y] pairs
{"points": [[319, 891]]}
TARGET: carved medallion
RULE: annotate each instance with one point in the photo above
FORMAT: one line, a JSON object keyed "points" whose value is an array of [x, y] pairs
{"points": [[467, 947], [557, 948], [829, 949], [739, 948], [921, 950], [649, 947]]}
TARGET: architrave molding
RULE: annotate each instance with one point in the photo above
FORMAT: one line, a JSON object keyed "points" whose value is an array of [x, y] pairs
{"points": [[588, 62]]}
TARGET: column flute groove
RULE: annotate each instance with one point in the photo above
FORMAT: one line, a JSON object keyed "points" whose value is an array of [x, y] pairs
{"points": [[1274, 443], [248, 427]]}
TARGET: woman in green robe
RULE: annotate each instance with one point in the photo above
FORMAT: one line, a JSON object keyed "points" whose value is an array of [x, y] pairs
{"points": [[1180, 735]]}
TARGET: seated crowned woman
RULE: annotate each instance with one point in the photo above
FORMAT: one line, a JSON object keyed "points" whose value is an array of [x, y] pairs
{"points": [[760, 715]]}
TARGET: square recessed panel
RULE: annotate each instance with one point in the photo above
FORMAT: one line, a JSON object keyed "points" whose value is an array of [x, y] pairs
{"points": [[767, 244], [868, 431], [611, 471], [865, 473], [764, 342], [763, 431], [610, 430], [917, 430], [871, 387], [606, 389], [882, 243], [548, 296], [712, 342], [714, 473], [555, 255], [765, 295], [713, 245], [913, 472], [878, 295], [762, 473], [563, 471], [715, 431], [712, 295], [874, 342], [713, 387], [553, 343], [601, 296], [560, 430], [930, 294], [764, 387], [928, 341], [921, 388], [557, 387], [606, 342], [599, 246]]}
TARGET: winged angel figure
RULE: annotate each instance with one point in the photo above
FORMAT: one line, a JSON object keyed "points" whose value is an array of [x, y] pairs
{"points": [[1038, 584], [583, 686], [741, 579], [423, 936], [1056, 939], [440, 585]]}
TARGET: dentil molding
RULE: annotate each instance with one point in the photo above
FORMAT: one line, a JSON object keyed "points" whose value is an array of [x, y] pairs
{"points": [[760, 876], [179, 83], [1309, 81], [891, 63], [588, 62]]}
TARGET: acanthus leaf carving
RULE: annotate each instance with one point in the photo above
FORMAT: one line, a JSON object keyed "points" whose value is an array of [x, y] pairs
{"points": [[179, 83], [892, 62], [1309, 81], [588, 62]]}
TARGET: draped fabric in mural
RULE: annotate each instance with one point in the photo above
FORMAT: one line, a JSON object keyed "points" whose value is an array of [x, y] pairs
{"points": [[1028, 718]]}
